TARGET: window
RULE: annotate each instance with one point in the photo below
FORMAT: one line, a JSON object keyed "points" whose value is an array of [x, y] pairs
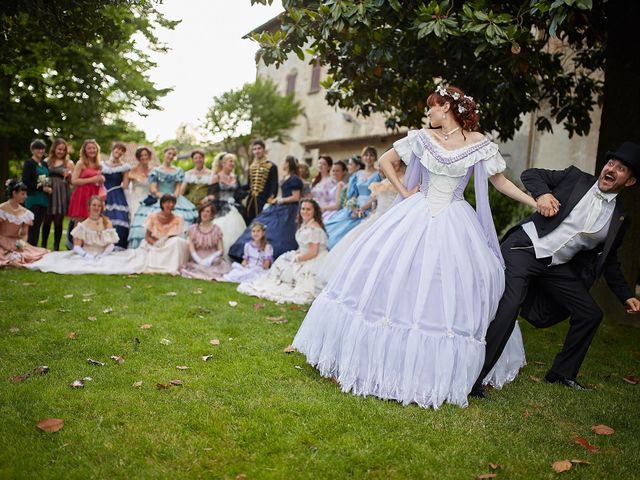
{"points": [[291, 83], [316, 70]]}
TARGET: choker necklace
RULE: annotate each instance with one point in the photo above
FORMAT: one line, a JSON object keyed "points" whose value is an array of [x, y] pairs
{"points": [[446, 135]]}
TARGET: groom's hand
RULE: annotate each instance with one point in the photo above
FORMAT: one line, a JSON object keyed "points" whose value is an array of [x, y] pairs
{"points": [[547, 205], [633, 305]]}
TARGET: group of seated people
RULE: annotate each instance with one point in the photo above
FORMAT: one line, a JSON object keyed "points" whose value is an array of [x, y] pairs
{"points": [[283, 255]]}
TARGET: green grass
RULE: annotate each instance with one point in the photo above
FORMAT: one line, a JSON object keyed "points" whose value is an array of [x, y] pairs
{"points": [[254, 410]]}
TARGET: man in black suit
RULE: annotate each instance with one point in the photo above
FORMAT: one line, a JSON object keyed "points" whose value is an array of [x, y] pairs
{"points": [[554, 257]]}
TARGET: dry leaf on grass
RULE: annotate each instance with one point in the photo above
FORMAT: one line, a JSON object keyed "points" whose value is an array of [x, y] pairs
{"points": [[43, 301], [631, 380], [277, 320], [162, 386], [68, 295], [41, 369], [117, 358], [334, 380], [77, 384], [97, 363], [14, 329], [146, 326], [232, 303], [580, 462], [562, 466], [585, 443], [205, 358], [28, 284], [176, 382], [87, 379], [92, 318], [215, 341], [182, 367], [297, 367], [171, 294], [289, 349], [487, 475], [494, 466], [87, 300], [258, 306], [602, 430], [20, 378], [128, 287], [197, 291], [72, 335], [165, 341], [138, 383], [241, 476], [534, 378], [107, 310], [51, 425]]}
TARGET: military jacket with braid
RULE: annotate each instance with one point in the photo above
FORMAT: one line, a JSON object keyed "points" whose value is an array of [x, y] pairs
{"points": [[263, 184]]}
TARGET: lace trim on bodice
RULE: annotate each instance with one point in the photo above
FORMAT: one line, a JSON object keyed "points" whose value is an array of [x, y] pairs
{"points": [[94, 238], [191, 177], [26, 217], [125, 167], [308, 234]]}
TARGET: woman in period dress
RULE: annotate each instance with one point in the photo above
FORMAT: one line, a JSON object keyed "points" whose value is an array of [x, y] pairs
{"points": [[405, 318], [35, 175], [222, 192], [164, 242], [257, 257], [384, 195], [163, 179], [304, 173], [138, 181], [323, 185], [338, 172], [280, 217], [60, 169], [94, 241], [291, 279], [87, 180], [15, 220], [116, 181], [359, 199], [196, 180], [206, 247]]}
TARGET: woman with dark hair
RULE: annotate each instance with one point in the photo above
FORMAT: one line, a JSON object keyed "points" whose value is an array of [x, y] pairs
{"points": [[139, 180], [280, 217], [323, 186], [338, 172], [196, 180], [167, 250], [292, 276], [94, 241], [116, 175], [405, 318], [359, 199], [15, 221], [206, 247], [35, 175], [60, 168]]}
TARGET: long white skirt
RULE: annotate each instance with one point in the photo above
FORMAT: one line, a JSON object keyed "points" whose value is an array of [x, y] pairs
{"points": [[232, 225], [166, 255], [125, 262]]}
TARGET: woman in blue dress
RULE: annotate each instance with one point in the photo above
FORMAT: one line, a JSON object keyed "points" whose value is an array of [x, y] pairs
{"points": [[280, 217], [163, 179], [359, 199], [116, 181]]}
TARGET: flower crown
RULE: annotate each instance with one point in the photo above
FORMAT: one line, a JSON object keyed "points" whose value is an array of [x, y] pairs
{"points": [[443, 92]]}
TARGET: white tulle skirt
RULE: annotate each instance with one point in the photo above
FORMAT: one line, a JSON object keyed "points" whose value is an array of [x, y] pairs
{"points": [[405, 315], [125, 262], [232, 225]]}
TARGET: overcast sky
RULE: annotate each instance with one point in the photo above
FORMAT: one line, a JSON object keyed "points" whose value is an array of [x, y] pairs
{"points": [[208, 57]]}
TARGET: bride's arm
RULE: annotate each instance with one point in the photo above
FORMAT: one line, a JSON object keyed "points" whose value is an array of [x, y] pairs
{"points": [[386, 164], [506, 187]]}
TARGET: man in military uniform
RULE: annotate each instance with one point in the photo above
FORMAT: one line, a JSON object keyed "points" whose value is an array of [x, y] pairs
{"points": [[263, 181]]}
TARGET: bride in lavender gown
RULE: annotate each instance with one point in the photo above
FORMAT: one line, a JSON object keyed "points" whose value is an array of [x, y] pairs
{"points": [[405, 318]]}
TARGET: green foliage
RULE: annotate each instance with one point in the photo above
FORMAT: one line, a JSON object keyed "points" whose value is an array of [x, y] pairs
{"points": [[256, 110], [514, 56], [71, 68], [254, 410]]}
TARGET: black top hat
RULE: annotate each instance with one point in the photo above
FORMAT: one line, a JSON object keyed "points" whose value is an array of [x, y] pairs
{"points": [[629, 154]]}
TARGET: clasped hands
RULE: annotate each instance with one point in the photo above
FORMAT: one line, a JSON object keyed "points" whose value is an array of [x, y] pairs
{"points": [[547, 205], [632, 305]]}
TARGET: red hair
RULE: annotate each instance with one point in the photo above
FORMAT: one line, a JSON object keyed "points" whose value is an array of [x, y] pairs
{"points": [[464, 109]]}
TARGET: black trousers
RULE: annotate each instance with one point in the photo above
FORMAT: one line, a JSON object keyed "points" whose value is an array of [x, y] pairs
{"points": [[39, 212], [559, 282]]}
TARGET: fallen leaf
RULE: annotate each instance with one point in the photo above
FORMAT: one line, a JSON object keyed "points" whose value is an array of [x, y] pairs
{"points": [[277, 320], [91, 361], [205, 358], [233, 304], [297, 367], [561, 466], [41, 369], [92, 318], [117, 358], [107, 310], [28, 284], [295, 307], [72, 335], [43, 301], [289, 349], [87, 300], [494, 466], [215, 341], [230, 338], [602, 430], [241, 476], [137, 384], [631, 379], [182, 367], [14, 329], [88, 294], [176, 382], [165, 341], [51, 425], [77, 384], [487, 475], [334, 380], [534, 378], [128, 287], [580, 462], [20, 378], [146, 326], [258, 306], [542, 364], [68, 295], [197, 291], [87, 379], [585, 443], [162, 386], [171, 294]]}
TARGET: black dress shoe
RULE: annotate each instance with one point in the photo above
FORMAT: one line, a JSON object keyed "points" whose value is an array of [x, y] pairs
{"points": [[567, 382], [478, 391]]}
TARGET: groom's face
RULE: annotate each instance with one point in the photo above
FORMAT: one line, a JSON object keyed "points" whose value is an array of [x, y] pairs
{"points": [[615, 176]]}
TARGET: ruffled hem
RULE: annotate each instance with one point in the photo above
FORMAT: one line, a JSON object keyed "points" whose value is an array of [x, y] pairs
{"points": [[452, 163]]}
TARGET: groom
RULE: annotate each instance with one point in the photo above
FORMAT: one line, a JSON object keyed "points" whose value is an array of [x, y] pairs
{"points": [[554, 257]]}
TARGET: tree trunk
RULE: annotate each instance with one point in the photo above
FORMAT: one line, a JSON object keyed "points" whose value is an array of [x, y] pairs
{"points": [[620, 122], [5, 84]]}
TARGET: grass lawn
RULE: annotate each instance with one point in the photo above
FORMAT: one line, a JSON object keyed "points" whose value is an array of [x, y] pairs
{"points": [[253, 410]]}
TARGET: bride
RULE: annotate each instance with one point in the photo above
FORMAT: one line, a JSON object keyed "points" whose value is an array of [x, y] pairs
{"points": [[405, 318]]}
